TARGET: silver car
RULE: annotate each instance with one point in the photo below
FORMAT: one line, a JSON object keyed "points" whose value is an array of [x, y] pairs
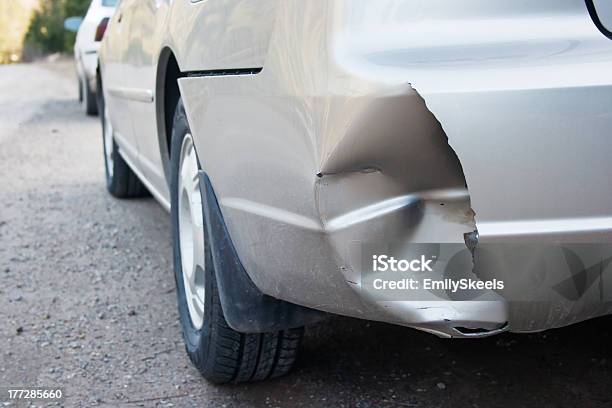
{"points": [[442, 165]]}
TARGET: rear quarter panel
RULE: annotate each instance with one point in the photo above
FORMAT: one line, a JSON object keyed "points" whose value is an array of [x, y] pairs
{"points": [[220, 34]]}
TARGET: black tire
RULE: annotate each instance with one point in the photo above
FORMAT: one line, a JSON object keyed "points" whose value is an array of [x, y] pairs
{"points": [[221, 354], [88, 101], [121, 181], [80, 85]]}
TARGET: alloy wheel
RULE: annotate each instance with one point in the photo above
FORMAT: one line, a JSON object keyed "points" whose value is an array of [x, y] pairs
{"points": [[191, 232]]}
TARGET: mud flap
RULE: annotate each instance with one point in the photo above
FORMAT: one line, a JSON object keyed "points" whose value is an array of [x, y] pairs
{"points": [[246, 308]]}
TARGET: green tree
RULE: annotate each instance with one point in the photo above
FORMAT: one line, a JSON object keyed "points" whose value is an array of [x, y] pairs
{"points": [[47, 32], [76, 7]]}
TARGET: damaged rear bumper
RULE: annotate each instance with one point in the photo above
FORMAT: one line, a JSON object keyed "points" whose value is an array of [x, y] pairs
{"points": [[409, 133], [524, 97]]}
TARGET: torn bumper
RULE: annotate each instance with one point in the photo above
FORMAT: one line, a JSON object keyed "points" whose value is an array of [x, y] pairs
{"points": [[524, 95]]}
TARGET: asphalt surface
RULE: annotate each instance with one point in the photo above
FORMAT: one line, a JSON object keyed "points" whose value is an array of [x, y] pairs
{"points": [[87, 299]]}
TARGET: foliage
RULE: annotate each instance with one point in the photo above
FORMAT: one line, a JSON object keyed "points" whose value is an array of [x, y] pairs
{"points": [[14, 21], [47, 32], [75, 7]]}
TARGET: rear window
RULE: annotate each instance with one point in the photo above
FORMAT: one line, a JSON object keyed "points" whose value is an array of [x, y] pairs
{"points": [[109, 3]]}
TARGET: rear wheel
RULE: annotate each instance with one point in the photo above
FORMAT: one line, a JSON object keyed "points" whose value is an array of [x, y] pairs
{"points": [[221, 354], [121, 181], [88, 100], [80, 89]]}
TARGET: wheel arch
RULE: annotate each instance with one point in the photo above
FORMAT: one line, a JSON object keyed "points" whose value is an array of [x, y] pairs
{"points": [[99, 90], [245, 308], [167, 95]]}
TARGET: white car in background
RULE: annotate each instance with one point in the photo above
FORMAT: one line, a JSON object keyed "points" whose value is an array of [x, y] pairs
{"points": [[90, 33]]}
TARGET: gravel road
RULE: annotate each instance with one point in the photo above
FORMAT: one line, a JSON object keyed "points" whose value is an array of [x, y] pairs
{"points": [[87, 299]]}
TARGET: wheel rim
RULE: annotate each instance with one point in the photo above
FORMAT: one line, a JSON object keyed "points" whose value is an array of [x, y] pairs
{"points": [[191, 232], [108, 145]]}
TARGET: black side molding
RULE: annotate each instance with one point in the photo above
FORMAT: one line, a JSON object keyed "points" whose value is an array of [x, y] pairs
{"points": [[245, 307], [224, 72]]}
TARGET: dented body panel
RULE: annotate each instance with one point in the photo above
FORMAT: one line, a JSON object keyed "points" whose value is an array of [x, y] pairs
{"points": [[404, 123]]}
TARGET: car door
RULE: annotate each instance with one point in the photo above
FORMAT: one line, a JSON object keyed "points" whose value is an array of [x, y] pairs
{"points": [[115, 83], [145, 30]]}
